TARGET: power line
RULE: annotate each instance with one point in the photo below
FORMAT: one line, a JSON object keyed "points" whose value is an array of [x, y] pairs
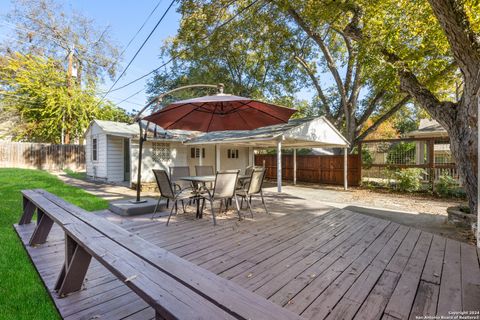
{"points": [[139, 49], [184, 50], [140, 29]]}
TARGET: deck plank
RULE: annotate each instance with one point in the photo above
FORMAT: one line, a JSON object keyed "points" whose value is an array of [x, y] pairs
{"points": [[332, 264], [450, 298]]}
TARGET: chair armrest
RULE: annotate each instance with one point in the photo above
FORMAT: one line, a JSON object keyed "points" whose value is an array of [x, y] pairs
{"points": [[203, 188]]}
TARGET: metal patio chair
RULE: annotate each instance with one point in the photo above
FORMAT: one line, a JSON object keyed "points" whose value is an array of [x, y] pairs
{"points": [[225, 186], [166, 191], [204, 170], [177, 172], [253, 186]]}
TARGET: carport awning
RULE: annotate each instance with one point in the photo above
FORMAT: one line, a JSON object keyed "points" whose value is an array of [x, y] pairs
{"points": [[297, 133]]}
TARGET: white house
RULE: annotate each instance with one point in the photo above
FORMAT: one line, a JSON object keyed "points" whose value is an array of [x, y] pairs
{"points": [[112, 147]]}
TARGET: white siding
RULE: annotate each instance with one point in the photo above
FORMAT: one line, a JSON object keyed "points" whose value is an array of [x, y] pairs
{"points": [[115, 159], [209, 159], [317, 131], [237, 163], [98, 168], [178, 157]]}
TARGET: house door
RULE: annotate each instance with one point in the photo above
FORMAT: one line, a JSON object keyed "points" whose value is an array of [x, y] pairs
{"points": [[126, 159]]}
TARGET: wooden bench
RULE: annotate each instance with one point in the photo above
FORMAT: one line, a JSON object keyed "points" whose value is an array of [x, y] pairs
{"points": [[174, 287]]}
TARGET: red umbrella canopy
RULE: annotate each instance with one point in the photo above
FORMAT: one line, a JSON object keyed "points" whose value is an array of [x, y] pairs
{"points": [[220, 112]]}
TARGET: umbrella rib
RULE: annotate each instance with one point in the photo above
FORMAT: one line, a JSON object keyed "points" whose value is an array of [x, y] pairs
{"points": [[243, 104], [211, 119], [183, 116]]}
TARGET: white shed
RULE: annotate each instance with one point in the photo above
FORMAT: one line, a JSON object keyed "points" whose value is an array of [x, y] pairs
{"points": [[107, 150]]}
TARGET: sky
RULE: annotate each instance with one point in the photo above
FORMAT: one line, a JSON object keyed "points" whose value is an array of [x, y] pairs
{"points": [[124, 19]]}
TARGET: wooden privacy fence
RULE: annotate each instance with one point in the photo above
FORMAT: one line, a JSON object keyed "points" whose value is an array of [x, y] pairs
{"points": [[313, 168], [42, 156]]}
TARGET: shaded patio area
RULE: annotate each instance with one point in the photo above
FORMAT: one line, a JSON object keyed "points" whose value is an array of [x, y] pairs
{"points": [[316, 261]]}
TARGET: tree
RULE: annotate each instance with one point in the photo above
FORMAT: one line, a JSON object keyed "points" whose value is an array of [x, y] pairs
{"points": [[44, 28], [274, 48], [460, 21], [413, 39], [240, 44], [34, 87]]}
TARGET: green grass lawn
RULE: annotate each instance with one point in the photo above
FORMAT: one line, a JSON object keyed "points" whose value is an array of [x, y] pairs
{"points": [[82, 175], [22, 294]]}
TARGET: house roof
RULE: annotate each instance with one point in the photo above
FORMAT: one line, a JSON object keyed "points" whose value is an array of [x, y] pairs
{"points": [[306, 132], [428, 128]]}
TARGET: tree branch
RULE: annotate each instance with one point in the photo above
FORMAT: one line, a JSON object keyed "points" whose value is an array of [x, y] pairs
{"points": [[383, 118], [372, 105], [464, 43], [326, 52], [316, 83]]}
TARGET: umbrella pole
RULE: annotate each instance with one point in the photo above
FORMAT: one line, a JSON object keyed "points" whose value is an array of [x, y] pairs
{"points": [[139, 167]]}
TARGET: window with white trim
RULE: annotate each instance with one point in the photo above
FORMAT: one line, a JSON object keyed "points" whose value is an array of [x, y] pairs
{"points": [[195, 152], [232, 153]]}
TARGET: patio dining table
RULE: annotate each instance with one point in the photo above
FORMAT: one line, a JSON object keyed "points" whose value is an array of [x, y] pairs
{"points": [[197, 181]]}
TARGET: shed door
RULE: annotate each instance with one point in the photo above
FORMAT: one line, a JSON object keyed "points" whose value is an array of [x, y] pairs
{"points": [[126, 159]]}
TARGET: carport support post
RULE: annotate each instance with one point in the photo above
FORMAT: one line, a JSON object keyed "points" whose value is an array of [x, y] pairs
{"points": [[345, 169], [217, 157], [294, 166], [279, 165]]}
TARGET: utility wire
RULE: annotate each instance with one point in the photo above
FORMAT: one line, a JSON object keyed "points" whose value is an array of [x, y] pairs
{"points": [[184, 50], [140, 29], [138, 51]]}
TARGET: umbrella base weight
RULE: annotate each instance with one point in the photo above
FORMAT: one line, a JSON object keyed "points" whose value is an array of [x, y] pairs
{"points": [[130, 207]]}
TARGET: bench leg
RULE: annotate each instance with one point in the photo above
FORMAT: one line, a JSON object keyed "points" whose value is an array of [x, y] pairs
{"points": [[28, 211], [74, 269], [44, 225]]}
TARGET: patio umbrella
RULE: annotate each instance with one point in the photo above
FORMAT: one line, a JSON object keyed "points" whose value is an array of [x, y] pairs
{"points": [[220, 112]]}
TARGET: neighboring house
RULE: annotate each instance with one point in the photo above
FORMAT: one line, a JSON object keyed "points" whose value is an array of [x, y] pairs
{"points": [[112, 147], [429, 129]]}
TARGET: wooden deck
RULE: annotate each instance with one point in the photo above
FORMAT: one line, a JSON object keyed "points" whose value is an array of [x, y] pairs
{"points": [[319, 262]]}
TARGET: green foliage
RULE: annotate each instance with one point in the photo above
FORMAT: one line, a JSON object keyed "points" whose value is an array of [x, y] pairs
{"points": [[401, 153], [35, 88], [409, 180], [23, 294], [251, 54], [367, 159], [447, 186]]}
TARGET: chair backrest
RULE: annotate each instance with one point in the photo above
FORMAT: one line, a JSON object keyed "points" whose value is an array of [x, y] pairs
{"points": [[178, 171], [249, 170], [256, 180], [164, 184], [225, 183], [204, 170]]}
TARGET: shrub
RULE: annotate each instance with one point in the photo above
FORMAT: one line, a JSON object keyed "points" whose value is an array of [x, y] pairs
{"points": [[447, 186], [408, 180], [367, 159]]}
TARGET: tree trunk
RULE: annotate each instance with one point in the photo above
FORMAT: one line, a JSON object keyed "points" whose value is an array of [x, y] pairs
{"points": [[464, 148], [460, 121]]}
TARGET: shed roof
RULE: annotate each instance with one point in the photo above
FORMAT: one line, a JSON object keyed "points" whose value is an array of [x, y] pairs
{"points": [[116, 128]]}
